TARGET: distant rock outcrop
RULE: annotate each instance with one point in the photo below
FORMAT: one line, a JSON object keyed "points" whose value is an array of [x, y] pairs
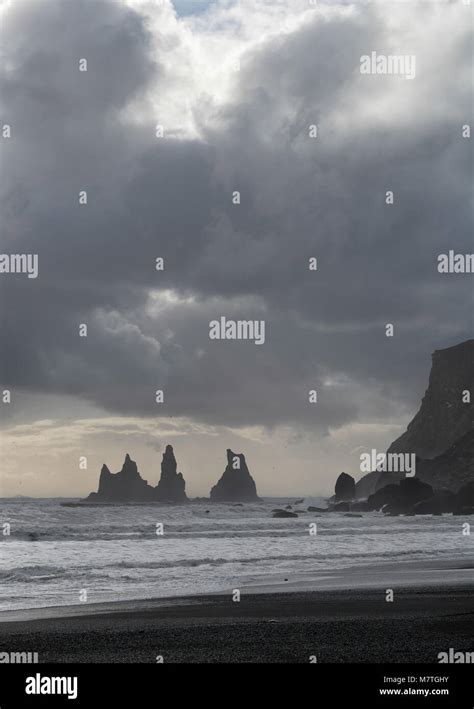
{"points": [[371, 482], [236, 483], [341, 507], [125, 486], [283, 513], [441, 502], [384, 496], [171, 487], [400, 498], [345, 488]]}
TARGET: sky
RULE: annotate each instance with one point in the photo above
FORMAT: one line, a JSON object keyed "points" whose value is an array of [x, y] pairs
{"points": [[181, 106]]}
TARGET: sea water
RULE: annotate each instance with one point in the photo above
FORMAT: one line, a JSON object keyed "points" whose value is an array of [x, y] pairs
{"points": [[54, 555]]}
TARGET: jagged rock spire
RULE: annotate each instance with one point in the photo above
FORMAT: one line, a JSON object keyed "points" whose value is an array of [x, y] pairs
{"points": [[236, 483]]}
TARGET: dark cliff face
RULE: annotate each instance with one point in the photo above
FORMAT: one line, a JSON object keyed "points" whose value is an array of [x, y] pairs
{"points": [[443, 417], [236, 483], [448, 471], [441, 433], [171, 487], [451, 469]]}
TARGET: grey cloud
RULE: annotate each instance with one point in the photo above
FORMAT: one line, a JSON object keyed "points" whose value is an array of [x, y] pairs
{"points": [[172, 198]]}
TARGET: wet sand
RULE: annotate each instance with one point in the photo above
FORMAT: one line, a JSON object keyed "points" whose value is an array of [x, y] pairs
{"points": [[342, 626]]}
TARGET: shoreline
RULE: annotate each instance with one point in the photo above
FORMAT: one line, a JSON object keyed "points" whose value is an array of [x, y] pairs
{"points": [[425, 574], [334, 626]]}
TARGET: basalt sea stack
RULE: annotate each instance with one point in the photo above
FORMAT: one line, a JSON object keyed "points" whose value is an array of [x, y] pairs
{"points": [[128, 486], [125, 486], [345, 487], [172, 484], [236, 483]]}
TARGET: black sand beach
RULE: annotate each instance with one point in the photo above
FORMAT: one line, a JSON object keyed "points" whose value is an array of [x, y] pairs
{"points": [[350, 626]]}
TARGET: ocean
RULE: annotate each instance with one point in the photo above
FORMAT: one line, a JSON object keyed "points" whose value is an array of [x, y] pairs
{"points": [[57, 556]]}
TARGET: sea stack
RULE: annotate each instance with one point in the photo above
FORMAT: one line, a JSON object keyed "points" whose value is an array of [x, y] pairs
{"points": [[345, 488], [236, 483], [125, 486], [171, 487]]}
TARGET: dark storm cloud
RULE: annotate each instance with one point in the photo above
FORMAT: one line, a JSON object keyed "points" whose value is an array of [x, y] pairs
{"points": [[172, 198]]}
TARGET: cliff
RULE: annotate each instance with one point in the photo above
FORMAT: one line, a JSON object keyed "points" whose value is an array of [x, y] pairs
{"points": [[452, 469], [443, 417], [441, 432]]}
